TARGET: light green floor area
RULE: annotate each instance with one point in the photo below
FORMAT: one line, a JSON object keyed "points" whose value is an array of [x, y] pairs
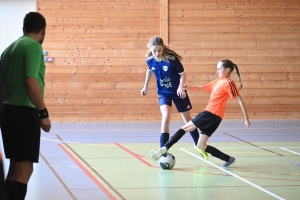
{"points": [[268, 170]]}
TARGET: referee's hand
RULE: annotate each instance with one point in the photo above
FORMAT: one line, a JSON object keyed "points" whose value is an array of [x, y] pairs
{"points": [[46, 124]]}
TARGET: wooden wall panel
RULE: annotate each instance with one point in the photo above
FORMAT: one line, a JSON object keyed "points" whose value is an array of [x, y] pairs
{"points": [[99, 46]]}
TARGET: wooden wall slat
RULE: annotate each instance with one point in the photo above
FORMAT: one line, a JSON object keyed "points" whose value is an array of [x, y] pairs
{"points": [[108, 45], [191, 53], [102, 21], [121, 109], [187, 60], [234, 13], [83, 117], [102, 14], [178, 45], [246, 5], [215, 37], [235, 21], [98, 5], [237, 44], [279, 92], [102, 29], [93, 37], [129, 101], [129, 77], [137, 85], [189, 69], [234, 37], [94, 85], [234, 29]]}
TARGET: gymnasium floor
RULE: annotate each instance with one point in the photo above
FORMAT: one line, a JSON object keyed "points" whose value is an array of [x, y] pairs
{"points": [[102, 161]]}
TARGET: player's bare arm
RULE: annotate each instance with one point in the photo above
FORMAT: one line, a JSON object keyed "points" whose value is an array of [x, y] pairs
{"points": [[35, 94], [147, 80], [181, 90], [241, 102], [193, 88]]}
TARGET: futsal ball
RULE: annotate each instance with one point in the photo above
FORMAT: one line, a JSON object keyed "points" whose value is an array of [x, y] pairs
{"points": [[166, 161]]}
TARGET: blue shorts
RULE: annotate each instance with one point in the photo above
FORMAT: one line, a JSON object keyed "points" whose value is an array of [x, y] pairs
{"points": [[182, 105], [207, 122]]}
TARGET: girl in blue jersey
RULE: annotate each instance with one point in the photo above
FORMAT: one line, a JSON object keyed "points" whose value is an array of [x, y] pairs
{"points": [[170, 79]]}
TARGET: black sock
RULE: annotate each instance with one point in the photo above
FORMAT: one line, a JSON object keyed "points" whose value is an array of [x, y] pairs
{"points": [[175, 138], [164, 137], [217, 153], [7, 184], [17, 191]]}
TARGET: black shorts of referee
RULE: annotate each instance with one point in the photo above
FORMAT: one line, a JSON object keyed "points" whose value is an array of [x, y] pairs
{"points": [[21, 132]]}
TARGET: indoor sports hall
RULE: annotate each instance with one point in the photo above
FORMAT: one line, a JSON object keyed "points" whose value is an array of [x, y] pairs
{"points": [[103, 128]]}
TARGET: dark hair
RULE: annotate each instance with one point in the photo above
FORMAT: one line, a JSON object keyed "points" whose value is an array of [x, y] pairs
{"points": [[159, 41], [229, 64], [33, 22]]}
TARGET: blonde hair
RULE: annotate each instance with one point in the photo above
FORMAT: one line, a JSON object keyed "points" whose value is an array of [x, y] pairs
{"points": [[229, 64], [159, 41]]}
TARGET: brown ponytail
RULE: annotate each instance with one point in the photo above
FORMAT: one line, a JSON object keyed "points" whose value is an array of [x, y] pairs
{"points": [[229, 64]]}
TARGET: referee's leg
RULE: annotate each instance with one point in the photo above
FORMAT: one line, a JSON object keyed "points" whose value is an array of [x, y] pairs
{"points": [[2, 191]]}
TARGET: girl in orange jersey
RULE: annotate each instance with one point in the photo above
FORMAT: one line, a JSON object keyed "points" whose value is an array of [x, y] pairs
{"points": [[209, 120]]}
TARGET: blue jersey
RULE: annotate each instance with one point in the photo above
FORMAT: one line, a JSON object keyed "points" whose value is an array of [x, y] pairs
{"points": [[167, 73]]}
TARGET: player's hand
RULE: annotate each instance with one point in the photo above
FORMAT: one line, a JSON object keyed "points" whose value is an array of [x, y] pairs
{"points": [[181, 92], [144, 91], [247, 123], [46, 124]]}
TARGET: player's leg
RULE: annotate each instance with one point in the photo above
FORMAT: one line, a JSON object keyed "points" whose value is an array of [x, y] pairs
{"points": [[21, 139], [9, 177], [2, 186], [186, 116], [23, 171], [165, 104], [165, 123], [187, 127], [208, 124], [183, 107]]}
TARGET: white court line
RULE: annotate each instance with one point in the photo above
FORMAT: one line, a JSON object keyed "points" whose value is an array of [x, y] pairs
{"points": [[290, 151], [151, 129], [59, 141], [236, 176], [255, 147]]}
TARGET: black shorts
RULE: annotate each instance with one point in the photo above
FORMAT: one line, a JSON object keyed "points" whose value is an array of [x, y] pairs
{"points": [[207, 122], [21, 132]]}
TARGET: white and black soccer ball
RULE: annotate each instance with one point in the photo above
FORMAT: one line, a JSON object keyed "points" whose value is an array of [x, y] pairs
{"points": [[167, 161]]}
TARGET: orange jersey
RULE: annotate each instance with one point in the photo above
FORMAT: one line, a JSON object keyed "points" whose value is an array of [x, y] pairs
{"points": [[220, 90]]}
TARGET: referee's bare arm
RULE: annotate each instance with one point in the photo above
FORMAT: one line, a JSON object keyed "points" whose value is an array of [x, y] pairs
{"points": [[35, 94]]}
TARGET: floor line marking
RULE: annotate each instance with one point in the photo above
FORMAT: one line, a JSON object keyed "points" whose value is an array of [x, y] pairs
{"points": [[290, 150], [252, 144], [236, 176], [58, 177], [102, 187], [137, 156]]}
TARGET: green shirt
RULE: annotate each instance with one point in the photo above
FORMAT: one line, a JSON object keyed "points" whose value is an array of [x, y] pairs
{"points": [[23, 58]]}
